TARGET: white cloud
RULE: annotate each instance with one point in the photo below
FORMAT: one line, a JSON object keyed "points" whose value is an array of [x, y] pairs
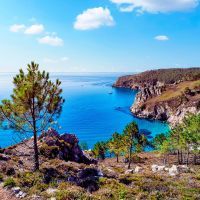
{"points": [[51, 40], [17, 28], [161, 38], [155, 6], [94, 18], [34, 29]]}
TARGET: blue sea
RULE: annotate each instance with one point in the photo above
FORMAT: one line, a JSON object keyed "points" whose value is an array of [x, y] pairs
{"points": [[93, 110]]}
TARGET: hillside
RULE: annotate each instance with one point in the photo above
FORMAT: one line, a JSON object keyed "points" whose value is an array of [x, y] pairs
{"points": [[63, 176], [164, 94]]}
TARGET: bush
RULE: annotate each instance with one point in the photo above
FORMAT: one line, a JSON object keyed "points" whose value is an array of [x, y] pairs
{"points": [[1, 177], [49, 151], [9, 182], [29, 179]]}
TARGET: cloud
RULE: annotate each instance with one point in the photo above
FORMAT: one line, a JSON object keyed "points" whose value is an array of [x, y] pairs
{"points": [[161, 38], [51, 40], [94, 18], [155, 6], [34, 29], [17, 28]]}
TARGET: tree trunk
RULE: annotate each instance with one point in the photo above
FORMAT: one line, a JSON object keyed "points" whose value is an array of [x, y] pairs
{"points": [[117, 158], [129, 159], [188, 153], [36, 153]]}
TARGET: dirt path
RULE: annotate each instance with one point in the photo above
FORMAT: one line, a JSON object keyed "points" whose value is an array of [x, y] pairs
{"points": [[5, 195]]}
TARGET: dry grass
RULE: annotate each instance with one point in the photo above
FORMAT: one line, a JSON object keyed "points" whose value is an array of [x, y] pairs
{"points": [[174, 91]]}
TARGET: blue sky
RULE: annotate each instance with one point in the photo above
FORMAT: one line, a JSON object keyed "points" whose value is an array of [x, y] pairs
{"points": [[99, 35]]}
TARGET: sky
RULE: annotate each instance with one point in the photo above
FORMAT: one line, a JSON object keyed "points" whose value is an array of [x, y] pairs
{"points": [[99, 35]]}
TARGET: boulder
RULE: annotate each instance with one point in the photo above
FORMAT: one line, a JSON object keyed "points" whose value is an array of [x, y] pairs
{"points": [[173, 171], [65, 147], [88, 179], [138, 169], [157, 168]]}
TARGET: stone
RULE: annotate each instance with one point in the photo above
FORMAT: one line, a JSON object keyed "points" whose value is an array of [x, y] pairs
{"points": [[4, 157], [138, 169], [183, 168], [154, 168], [16, 190], [129, 171], [173, 171], [51, 191], [160, 168], [157, 168], [65, 147]]}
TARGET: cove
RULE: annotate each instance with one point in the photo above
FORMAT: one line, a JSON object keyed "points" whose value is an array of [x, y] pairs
{"points": [[93, 110]]}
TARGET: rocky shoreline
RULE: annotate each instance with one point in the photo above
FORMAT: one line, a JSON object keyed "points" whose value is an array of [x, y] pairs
{"points": [[162, 96]]}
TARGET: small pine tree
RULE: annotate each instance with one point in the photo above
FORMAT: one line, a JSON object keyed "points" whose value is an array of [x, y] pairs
{"points": [[115, 145], [130, 136], [36, 101]]}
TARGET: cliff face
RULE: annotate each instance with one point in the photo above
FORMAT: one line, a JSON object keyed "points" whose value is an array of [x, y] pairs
{"points": [[166, 99]]}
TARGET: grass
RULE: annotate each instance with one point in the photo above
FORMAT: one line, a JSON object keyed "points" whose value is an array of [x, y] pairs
{"points": [[9, 182], [175, 91]]}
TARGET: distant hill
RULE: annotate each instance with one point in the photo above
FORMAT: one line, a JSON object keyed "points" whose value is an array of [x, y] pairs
{"points": [[167, 76]]}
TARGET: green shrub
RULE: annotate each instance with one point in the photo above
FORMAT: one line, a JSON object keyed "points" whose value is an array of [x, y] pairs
{"points": [[49, 151], [1, 177], [29, 179], [9, 182]]}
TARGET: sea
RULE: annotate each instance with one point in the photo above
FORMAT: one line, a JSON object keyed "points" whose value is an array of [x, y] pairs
{"points": [[93, 109]]}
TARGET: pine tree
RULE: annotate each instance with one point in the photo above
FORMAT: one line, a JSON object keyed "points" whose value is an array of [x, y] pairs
{"points": [[130, 137], [116, 145], [36, 101]]}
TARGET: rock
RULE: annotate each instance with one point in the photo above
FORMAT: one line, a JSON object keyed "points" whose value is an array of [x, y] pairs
{"points": [[4, 157], [151, 84], [157, 168], [16, 190], [10, 171], [51, 191], [138, 169], [183, 168], [109, 173], [64, 147], [129, 171], [100, 173], [154, 168], [21, 195], [173, 171], [88, 179], [160, 168]]}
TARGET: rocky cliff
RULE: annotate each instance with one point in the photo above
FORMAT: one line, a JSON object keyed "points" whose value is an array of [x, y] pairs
{"points": [[167, 95]]}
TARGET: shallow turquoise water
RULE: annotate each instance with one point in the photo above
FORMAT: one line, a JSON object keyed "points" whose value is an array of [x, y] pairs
{"points": [[93, 109]]}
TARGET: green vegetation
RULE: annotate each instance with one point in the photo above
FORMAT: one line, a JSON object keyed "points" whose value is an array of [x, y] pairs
{"points": [[123, 144], [184, 139], [167, 76], [9, 182], [176, 91], [100, 149], [115, 145], [35, 102]]}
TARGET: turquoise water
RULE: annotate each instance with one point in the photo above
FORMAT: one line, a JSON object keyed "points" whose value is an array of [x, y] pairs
{"points": [[93, 109]]}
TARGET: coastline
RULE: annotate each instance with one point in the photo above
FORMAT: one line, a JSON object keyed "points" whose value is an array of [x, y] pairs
{"points": [[155, 99]]}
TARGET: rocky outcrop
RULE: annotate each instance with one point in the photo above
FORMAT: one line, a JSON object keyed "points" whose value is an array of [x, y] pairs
{"points": [[154, 88], [64, 147]]}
